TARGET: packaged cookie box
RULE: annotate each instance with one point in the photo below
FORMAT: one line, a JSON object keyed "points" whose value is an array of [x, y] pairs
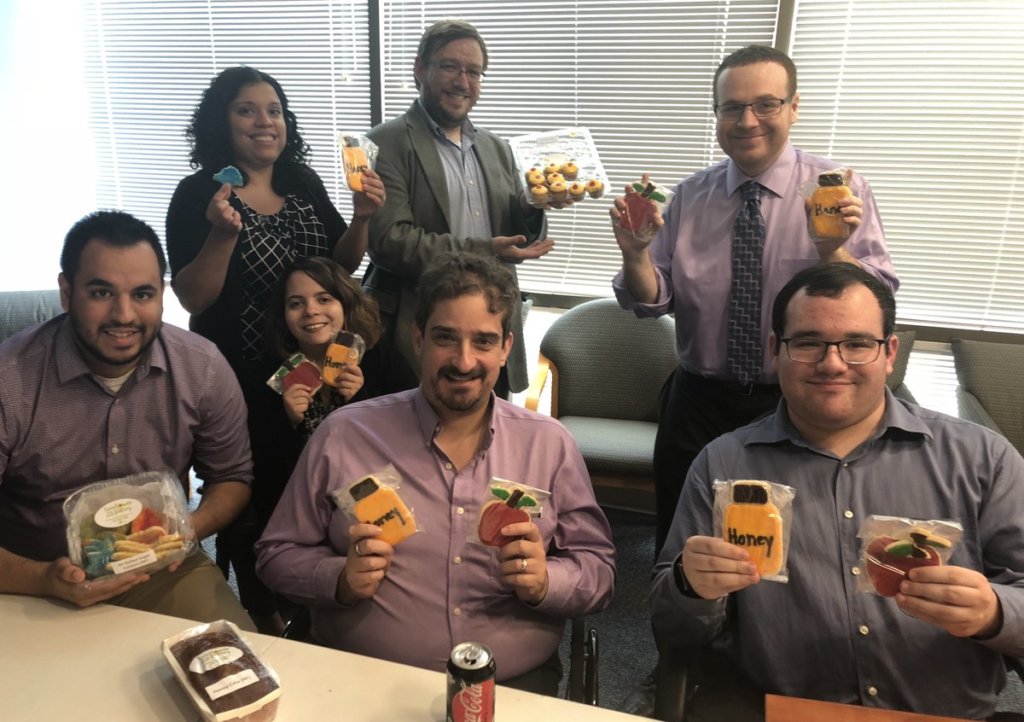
{"points": [[559, 165], [222, 675], [136, 523]]}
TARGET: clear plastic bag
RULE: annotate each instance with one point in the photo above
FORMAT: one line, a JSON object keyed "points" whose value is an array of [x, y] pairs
{"points": [[892, 546], [357, 154], [507, 502], [757, 515], [373, 499]]}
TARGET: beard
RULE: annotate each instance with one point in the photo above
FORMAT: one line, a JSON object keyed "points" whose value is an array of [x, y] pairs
{"points": [[461, 399], [91, 349]]}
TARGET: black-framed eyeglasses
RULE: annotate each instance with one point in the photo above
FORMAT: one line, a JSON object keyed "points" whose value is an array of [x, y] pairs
{"points": [[853, 351], [765, 108], [454, 70]]}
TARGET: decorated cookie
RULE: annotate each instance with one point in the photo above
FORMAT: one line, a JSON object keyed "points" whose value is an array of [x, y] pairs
{"points": [[753, 522], [378, 504], [306, 373], [230, 174], [888, 559], [498, 514]]}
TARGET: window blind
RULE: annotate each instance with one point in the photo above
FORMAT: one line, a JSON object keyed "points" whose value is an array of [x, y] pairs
{"points": [[637, 75], [924, 99], [148, 62]]}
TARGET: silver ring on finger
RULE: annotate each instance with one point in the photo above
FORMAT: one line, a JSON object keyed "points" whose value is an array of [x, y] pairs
{"points": [[87, 587], [359, 552], [522, 565]]}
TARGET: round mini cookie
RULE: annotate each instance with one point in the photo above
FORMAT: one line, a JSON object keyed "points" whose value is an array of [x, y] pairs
{"points": [[558, 190], [552, 168], [534, 177], [577, 191], [570, 170], [595, 187], [539, 195]]}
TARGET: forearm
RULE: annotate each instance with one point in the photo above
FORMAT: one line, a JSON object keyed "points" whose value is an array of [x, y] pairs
{"points": [[199, 283], [19, 575], [221, 504], [639, 277], [351, 247]]}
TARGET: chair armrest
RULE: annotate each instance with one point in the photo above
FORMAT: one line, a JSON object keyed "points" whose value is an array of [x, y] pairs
{"points": [[970, 408], [533, 394]]}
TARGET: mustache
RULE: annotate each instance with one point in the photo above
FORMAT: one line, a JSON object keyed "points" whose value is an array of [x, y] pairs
{"points": [[451, 372], [122, 327]]}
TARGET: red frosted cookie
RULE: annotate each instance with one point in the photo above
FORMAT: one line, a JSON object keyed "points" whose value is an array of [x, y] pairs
{"points": [[498, 514], [305, 373]]}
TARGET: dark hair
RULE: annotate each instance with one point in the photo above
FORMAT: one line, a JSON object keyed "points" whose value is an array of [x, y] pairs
{"points": [[361, 315], [209, 132], [114, 228], [757, 54], [443, 32], [830, 280], [452, 275]]}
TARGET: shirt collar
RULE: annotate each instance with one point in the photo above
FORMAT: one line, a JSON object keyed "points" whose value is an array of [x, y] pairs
{"points": [[777, 428], [71, 364], [775, 179], [468, 129], [430, 423]]}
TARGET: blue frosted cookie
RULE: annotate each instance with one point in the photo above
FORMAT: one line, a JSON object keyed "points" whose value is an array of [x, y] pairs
{"points": [[229, 174]]}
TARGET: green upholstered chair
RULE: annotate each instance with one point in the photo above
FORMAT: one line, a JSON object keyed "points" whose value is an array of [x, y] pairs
{"points": [[20, 309], [991, 392]]}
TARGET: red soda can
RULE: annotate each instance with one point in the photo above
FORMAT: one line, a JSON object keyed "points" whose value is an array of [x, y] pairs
{"points": [[471, 683]]}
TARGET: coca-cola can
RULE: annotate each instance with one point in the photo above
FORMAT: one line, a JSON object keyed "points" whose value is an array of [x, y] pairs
{"points": [[471, 683]]}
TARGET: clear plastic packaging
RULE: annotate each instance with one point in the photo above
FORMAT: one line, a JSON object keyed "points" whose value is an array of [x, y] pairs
{"points": [[824, 217], [374, 499], [757, 515], [357, 154], [507, 503], [346, 349], [296, 369], [136, 523], [559, 166], [643, 204], [892, 546], [222, 675]]}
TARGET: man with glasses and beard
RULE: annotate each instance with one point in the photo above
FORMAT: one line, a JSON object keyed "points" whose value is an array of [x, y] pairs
{"points": [[452, 186], [103, 391], [450, 441], [849, 449]]}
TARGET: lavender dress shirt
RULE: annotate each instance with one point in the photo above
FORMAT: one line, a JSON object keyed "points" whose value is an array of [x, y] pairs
{"points": [[692, 253], [818, 636], [60, 428], [441, 588]]}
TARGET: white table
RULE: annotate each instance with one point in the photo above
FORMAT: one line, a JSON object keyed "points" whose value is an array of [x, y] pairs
{"points": [[58, 662]]}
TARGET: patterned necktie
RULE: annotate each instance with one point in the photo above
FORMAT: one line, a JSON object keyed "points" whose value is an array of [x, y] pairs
{"points": [[744, 352]]}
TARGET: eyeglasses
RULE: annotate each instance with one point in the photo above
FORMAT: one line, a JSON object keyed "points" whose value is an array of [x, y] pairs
{"points": [[766, 108], [454, 70], [854, 351]]}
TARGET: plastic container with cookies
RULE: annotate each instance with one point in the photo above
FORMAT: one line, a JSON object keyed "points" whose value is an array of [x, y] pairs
{"points": [[136, 523], [555, 160], [222, 675]]}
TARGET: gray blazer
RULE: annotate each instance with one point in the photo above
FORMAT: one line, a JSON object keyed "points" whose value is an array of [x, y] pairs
{"points": [[414, 225]]}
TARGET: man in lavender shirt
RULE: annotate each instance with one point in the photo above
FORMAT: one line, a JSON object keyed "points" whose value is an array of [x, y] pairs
{"points": [[686, 269], [448, 439], [104, 391]]}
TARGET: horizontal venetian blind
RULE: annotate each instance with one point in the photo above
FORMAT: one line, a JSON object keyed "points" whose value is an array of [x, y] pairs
{"points": [[148, 62], [638, 75], [924, 99]]}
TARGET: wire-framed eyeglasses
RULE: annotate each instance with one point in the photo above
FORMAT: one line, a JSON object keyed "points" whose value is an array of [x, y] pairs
{"points": [[764, 108], [853, 351]]}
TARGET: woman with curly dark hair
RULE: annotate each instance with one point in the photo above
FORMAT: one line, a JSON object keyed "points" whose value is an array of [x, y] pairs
{"points": [[227, 245], [314, 299]]}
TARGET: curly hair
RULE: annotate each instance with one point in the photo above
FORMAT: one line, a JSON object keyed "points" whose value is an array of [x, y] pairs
{"points": [[361, 314], [452, 275], [209, 133]]}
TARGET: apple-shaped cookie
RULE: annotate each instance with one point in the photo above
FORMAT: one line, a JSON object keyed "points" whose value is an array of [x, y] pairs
{"points": [[498, 514], [305, 373], [889, 560]]}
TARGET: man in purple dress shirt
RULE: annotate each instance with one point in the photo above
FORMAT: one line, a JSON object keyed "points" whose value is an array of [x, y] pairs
{"points": [[448, 439], [104, 391]]}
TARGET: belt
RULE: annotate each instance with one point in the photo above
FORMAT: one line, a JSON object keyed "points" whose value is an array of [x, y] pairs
{"points": [[727, 386]]}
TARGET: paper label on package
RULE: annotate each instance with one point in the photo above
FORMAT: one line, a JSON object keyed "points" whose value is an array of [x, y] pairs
{"points": [[231, 683], [136, 562], [213, 658], [117, 513]]}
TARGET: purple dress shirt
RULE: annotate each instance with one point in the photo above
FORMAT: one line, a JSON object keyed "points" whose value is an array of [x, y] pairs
{"points": [[60, 428], [692, 253], [441, 588]]}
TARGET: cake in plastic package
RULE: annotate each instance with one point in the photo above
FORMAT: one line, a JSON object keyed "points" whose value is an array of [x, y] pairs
{"points": [[222, 675], [556, 164], [136, 523]]}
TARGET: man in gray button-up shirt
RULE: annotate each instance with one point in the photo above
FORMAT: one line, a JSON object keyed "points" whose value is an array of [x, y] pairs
{"points": [[850, 449]]}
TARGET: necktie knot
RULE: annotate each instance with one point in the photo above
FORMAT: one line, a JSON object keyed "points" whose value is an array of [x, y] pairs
{"points": [[751, 191]]}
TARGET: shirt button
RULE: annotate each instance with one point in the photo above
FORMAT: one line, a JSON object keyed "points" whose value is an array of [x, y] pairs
{"points": [[873, 691], [458, 560], [460, 511], [845, 464], [848, 514], [114, 449], [458, 611], [449, 467], [855, 571], [863, 630]]}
